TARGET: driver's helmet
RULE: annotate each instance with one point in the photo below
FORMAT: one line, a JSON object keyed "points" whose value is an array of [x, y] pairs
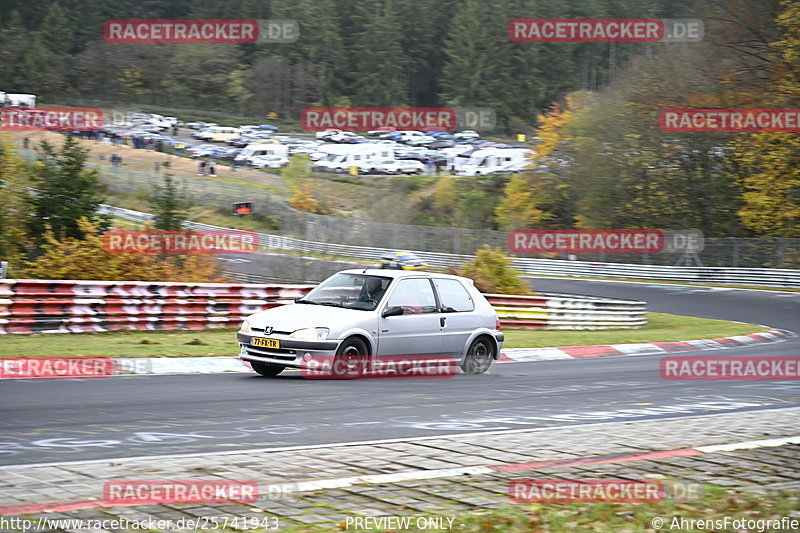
{"points": [[402, 261]]}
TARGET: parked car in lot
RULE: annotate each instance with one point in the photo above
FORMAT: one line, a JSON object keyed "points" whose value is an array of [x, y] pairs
{"points": [[256, 150], [147, 128], [370, 314], [439, 144], [339, 158], [228, 154], [407, 136], [423, 140], [204, 150], [200, 125], [383, 130], [269, 161], [466, 134], [325, 135], [407, 152], [301, 146], [391, 166], [218, 134], [342, 136]]}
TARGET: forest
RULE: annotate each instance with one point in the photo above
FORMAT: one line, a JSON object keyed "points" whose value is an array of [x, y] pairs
{"points": [[602, 160]]}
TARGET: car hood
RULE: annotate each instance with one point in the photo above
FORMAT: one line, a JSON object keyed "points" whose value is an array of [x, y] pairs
{"points": [[292, 317]]}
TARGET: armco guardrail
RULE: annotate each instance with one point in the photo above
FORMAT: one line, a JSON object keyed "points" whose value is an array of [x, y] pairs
{"points": [[764, 277], [72, 306], [567, 311]]}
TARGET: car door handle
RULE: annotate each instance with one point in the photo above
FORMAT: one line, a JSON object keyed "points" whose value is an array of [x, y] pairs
{"points": [[442, 321]]}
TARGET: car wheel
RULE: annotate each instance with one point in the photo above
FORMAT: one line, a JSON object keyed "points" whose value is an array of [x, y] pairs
{"points": [[266, 370], [479, 356], [351, 359]]}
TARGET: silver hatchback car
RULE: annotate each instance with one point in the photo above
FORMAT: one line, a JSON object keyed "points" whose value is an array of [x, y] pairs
{"points": [[374, 313]]}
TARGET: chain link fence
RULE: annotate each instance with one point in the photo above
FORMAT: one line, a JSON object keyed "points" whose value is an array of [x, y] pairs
{"points": [[717, 252]]}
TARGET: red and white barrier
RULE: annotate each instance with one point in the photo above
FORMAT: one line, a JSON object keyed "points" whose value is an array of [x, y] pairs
{"points": [[76, 306]]}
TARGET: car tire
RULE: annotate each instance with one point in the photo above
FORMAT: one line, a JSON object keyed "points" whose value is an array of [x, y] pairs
{"points": [[351, 360], [479, 357], [266, 370]]}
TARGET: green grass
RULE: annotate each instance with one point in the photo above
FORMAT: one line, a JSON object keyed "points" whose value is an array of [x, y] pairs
{"points": [[211, 342], [716, 504], [222, 342], [660, 328]]}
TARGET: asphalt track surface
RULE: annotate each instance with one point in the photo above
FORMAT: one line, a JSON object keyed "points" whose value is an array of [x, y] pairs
{"points": [[48, 421]]}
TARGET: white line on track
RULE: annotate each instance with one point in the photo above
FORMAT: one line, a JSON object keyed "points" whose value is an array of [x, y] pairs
{"points": [[376, 442]]}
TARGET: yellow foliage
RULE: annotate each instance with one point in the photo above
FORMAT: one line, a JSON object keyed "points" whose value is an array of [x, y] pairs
{"points": [[519, 208], [303, 200], [492, 273], [551, 133], [86, 258], [772, 160], [14, 210]]}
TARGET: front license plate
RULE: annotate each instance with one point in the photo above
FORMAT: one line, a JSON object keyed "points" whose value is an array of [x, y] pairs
{"points": [[261, 342]]}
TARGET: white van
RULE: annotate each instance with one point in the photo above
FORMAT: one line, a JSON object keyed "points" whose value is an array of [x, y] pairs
{"points": [[261, 149], [20, 100], [218, 133], [495, 161], [340, 157]]}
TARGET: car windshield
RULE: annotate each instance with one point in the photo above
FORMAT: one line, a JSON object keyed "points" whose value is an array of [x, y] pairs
{"points": [[351, 291]]}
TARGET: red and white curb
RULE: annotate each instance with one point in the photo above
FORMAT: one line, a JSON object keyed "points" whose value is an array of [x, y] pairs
{"points": [[527, 355], [223, 364]]}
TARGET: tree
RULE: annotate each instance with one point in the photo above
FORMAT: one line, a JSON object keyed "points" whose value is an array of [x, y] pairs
{"points": [[520, 207], [169, 204], [87, 258], [492, 273], [14, 209], [64, 192], [771, 161]]}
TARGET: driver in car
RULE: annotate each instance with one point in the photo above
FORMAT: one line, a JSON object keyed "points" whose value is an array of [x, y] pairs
{"points": [[371, 291]]}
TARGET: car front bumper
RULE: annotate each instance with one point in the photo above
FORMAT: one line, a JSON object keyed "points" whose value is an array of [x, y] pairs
{"points": [[293, 353]]}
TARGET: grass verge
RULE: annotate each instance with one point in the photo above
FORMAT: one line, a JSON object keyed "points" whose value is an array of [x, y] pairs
{"points": [[716, 504], [221, 342], [660, 327]]}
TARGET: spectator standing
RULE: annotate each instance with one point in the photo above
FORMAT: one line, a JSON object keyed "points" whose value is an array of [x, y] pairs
{"points": [[212, 168], [202, 168], [26, 142]]}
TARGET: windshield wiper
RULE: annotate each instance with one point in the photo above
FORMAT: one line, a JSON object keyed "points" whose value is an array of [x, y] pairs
{"points": [[312, 302]]}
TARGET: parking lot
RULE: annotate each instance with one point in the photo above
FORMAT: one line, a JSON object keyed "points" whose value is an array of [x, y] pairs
{"points": [[383, 151]]}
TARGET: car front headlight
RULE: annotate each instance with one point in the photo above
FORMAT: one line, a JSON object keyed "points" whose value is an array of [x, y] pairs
{"points": [[245, 327], [311, 334]]}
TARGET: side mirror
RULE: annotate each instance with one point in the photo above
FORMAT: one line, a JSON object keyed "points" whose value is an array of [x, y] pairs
{"points": [[392, 311]]}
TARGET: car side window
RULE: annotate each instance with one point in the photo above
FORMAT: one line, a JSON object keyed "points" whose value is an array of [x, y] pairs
{"points": [[454, 296], [414, 295]]}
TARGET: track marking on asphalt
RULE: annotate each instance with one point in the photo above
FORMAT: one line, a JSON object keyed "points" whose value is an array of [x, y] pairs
{"points": [[375, 442], [749, 445], [415, 475]]}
